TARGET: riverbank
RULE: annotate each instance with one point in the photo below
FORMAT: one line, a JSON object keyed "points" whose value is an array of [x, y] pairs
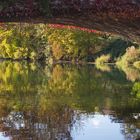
{"points": [[56, 42]]}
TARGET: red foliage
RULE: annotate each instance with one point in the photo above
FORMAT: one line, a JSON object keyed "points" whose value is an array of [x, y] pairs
{"points": [[60, 26]]}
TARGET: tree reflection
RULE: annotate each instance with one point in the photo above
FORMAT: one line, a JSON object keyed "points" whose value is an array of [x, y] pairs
{"points": [[42, 102], [54, 124]]}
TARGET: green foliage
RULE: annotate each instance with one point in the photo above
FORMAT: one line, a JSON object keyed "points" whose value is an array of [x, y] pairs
{"points": [[136, 89], [22, 42], [137, 64], [132, 55], [102, 59], [75, 44], [39, 41], [11, 46], [129, 63], [117, 47]]}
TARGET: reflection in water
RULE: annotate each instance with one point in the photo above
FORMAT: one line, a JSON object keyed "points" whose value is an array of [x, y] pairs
{"points": [[99, 123], [132, 73], [67, 102], [104, 67]]}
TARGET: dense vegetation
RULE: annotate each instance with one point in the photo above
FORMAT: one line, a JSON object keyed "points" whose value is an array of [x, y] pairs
{"points": [[129, 62], [21, 42], [41, 41]]}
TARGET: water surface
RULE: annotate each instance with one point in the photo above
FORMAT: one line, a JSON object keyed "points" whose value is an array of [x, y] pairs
{"points": [[67, 102]]}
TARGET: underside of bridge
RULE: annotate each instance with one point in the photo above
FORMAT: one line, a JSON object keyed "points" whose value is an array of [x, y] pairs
{"points": [[117, 17]]}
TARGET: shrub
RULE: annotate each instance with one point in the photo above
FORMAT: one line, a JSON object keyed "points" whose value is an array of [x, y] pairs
{"points": [[132, 55], [76, 44], [102, 59], [22, 42]]}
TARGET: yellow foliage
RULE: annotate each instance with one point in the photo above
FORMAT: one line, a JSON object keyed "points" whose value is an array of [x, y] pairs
{"points": [[57, 51]]}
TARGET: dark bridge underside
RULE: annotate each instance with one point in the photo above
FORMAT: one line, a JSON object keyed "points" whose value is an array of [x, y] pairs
{"points": [[114, 16], [128, 29]]}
